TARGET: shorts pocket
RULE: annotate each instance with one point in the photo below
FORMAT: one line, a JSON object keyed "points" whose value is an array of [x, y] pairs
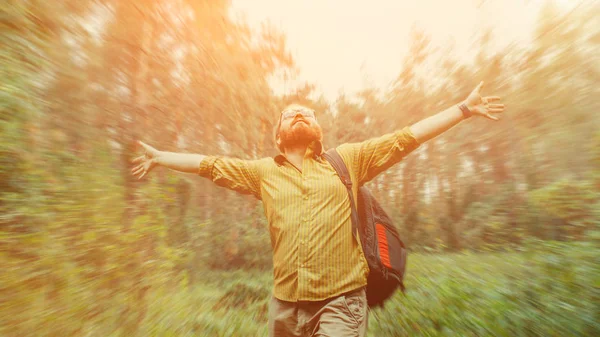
{"points": [[356, 306]]}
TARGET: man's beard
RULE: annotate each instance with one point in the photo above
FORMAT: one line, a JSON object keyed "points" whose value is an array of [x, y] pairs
{"points": [[300, 134]]}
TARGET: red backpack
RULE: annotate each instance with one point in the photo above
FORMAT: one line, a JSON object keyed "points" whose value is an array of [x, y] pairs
{"points": [[384, 250]]}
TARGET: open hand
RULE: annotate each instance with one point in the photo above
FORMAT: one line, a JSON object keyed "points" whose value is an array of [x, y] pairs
{"points": [[146, 162], [482, 105]]}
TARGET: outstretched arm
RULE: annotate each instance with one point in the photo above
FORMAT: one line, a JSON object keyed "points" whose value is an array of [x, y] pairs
{"points": [[182, 162], [439, 123], [373, 156], [235, 174]]}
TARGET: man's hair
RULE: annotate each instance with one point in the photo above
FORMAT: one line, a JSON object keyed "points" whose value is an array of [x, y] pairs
{"points": [[278, 125]]}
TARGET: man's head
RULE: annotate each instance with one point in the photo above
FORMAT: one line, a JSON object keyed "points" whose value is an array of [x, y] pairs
{"points": [[297, 126]]}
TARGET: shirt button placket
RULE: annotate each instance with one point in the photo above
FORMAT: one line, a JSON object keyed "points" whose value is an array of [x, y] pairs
{"points": [[304, 224], [303, 229]]}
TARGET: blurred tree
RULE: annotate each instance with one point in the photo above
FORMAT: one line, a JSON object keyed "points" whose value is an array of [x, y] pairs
{"points": [[83, 80]]}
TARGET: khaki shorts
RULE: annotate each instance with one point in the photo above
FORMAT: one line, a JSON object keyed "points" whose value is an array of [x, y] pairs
{"points": [[341, 316]]}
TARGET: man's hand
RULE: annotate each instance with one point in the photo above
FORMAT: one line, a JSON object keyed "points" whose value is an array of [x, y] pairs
{"points": [[432, 126], [482, 105], [146, 162]]}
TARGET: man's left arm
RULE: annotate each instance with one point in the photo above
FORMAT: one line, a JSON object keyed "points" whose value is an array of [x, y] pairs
{"points": [[373, 156], [475, 104]]}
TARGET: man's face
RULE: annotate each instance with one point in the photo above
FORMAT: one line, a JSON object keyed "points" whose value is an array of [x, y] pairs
{"points": [[299, 127]]}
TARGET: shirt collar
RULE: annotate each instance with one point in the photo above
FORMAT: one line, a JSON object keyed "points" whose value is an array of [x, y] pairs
{"points": [[314, 150]]}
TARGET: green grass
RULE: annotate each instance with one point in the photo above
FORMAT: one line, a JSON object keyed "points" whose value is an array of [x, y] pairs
{"points": [[549, 292], [549, 289]]}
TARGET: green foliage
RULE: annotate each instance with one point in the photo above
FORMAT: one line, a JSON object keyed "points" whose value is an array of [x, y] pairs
{"points": [[246, 295], [570, 201], [86, 250], [545, 289], [595, 145], [255, 248], [541, 292]]}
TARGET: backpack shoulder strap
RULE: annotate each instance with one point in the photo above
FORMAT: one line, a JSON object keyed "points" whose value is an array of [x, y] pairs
{"points": [[334, 158]]}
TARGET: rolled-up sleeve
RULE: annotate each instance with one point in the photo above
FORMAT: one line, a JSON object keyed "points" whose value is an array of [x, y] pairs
{"points": [[235, 174], [373, 156]]}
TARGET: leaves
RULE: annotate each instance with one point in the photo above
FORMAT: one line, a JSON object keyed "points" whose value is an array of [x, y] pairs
{"points": [[86, 249]]}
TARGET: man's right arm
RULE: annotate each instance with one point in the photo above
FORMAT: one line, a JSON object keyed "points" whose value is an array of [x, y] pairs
{"points": [[236, 174], [183, 162], [240, 175]]}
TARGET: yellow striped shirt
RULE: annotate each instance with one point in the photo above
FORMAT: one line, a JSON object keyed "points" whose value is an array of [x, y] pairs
{"points": [[315, 255]]}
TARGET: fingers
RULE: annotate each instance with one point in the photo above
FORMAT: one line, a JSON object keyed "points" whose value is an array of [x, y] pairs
{"points": [[141, 173], [138, 171], [488, 116], [491, 98], [496, 109], [137, 160], [137, 167], [147, 148], [478, 88], [488, 108]]}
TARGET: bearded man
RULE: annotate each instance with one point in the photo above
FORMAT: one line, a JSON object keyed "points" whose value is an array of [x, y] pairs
{"points": [[319, 269]]}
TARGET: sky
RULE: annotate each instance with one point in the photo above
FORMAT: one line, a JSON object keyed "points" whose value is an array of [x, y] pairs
{"points": [[347, 45]]}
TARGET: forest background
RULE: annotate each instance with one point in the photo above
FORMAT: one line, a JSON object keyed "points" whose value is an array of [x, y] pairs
{"points": [[502, 218]]}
